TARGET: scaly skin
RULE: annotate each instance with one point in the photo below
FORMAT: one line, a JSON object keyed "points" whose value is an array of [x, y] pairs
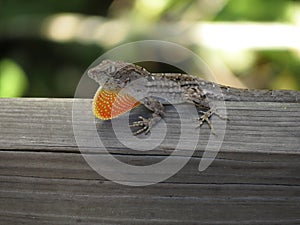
{"points": [[154, 90]]}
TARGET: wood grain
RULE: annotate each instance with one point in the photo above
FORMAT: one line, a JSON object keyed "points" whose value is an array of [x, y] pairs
{"points": [[44, 179]]}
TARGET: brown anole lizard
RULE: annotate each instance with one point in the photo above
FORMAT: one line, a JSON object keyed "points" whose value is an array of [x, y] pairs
{"points": [[158, 89]]}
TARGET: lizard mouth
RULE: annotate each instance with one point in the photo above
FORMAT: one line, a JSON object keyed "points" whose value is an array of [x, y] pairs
{"points": [[100, 77]]}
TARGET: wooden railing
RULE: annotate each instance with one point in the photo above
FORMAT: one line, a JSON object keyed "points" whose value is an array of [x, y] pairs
{"points": [[254, 179]]}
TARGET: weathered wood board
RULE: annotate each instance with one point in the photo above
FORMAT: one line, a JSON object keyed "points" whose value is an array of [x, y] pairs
{"points": [[44, 179]]}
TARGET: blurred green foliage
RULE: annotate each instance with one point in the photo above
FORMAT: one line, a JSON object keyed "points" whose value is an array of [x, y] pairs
{"points": [[35, 65], [254, 10], [13, 80]]}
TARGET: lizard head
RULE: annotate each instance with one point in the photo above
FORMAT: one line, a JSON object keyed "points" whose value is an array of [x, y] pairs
{"points": [[116, 74], [109, 101]]}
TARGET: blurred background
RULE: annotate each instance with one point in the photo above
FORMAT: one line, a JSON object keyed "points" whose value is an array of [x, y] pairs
{"points": [[47, 45]]}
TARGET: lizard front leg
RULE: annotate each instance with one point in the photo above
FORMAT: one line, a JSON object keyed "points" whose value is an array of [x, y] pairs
{"points": [[146, 124]]}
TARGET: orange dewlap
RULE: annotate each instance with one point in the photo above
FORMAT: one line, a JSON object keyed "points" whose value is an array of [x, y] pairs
{"points": [[109, 104]]}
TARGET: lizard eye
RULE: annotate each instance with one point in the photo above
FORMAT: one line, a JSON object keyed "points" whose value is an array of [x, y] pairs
{"points": [[127, 80]]}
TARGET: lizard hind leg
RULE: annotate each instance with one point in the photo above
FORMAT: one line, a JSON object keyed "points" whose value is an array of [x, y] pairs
{"points": [[206, 118], [206, 115]]}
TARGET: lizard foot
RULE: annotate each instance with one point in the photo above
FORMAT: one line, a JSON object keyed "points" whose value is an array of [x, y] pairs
{"points": [[206, 118], [146, 125]]}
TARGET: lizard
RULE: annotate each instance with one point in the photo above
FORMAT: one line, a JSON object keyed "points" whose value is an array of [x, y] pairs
{"points": [[115, 76]]}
